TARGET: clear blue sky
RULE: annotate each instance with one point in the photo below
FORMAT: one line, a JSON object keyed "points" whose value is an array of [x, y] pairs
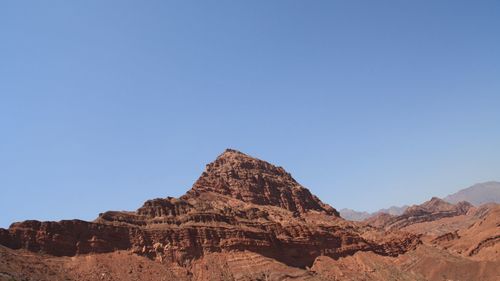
{"points": [[105, 104]]}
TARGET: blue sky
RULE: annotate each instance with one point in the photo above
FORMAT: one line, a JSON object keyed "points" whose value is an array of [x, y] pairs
{"points": [[105, 104]]}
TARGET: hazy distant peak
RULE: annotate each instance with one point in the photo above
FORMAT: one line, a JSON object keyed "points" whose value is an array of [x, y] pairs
{"points": [[478, 194], [354, 215], [393, 210], [350, 214]]}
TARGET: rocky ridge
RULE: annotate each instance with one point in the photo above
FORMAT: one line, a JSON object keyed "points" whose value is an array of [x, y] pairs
{"points": [[431, 210], [478, 194]]}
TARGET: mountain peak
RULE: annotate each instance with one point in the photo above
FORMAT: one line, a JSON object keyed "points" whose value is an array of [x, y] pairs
{"points": [[252, 180], [478, 194], [230, 151], [439, 205], [434, 205]]}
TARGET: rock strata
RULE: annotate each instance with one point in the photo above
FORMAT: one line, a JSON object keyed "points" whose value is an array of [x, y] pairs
{"points": [[251, 180], [239, 203], [431, 210], [246, 219]]}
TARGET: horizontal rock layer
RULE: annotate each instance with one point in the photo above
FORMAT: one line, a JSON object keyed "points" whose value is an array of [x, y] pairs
{"points": [[238, 204]]}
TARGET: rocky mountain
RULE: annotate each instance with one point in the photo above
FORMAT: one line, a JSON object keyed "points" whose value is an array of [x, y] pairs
{"points": [[459, 241], [431, 210], [239, 205], [478, 194], [251, 180], [246, 219]]}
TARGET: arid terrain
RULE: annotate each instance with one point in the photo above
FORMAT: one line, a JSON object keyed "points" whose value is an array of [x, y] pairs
{"points": [[246, 219], [478, 194]]}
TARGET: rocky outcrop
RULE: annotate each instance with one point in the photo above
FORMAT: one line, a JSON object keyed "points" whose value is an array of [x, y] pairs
{"points": [[66, 238], [449, 236], [238, 204], [488, 242], [431, 210], [379, 220], [251, 180]]}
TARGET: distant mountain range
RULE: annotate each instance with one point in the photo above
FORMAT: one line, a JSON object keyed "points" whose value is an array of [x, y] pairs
{"points": [[478, 194], [354, 215], [350, 214], [394, 210]]}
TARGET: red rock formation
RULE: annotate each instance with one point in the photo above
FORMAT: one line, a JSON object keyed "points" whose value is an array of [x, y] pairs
{"points": [[238, 204], [431, 210], [245, 219], [255, 181]]}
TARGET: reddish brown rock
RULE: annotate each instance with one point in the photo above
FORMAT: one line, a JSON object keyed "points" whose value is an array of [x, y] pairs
{"points": [[431, 210], [255, 181], [245, 219], [238, 204]]}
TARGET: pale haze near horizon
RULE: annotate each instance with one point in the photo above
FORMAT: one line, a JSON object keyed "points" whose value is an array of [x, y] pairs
{"points": [[104, 105]]}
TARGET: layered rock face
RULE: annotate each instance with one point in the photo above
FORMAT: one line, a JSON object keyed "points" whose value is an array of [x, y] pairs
{"points": [[255, 181], [245, 219], [431, 210], [238, 204]]}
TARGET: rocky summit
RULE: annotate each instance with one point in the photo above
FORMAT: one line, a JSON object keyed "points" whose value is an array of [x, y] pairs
{"points": [[251, 180], [243, 219]]}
